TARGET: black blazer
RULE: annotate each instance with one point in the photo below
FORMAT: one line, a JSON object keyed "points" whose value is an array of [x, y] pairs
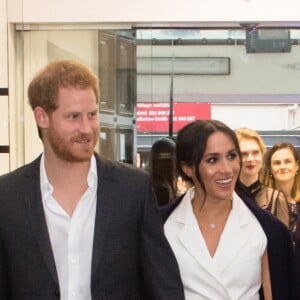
{"points": [[131, 257], [297, 238], [285, 279]]}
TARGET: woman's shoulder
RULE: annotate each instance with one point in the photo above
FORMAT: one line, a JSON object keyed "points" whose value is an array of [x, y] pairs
{"points": [[267, 195], [268, 221]]}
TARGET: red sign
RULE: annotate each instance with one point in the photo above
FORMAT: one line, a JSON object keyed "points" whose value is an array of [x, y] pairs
{"points": [[154, 116]]}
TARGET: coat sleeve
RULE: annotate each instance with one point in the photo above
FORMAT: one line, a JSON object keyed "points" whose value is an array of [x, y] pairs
{"points": [[3, 274], [160, 271], [283, 268], [294, 274], [3, 259]]}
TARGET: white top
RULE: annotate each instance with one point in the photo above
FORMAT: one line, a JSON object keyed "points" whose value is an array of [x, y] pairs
{"points": [[72, 237], [234, 272]]}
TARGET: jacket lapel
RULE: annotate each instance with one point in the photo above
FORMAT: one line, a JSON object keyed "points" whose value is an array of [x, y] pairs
{"points": [[191, 239], [230, 244], [105, 210], [35, 211]]}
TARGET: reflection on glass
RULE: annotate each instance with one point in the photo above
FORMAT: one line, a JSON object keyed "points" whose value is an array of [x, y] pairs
{"points": [[126, 76], [107, 71], [107, 142], [125, 144]]}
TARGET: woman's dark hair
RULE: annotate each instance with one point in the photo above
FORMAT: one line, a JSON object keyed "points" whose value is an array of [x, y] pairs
{"points": [[163, 170], [191, 144]]}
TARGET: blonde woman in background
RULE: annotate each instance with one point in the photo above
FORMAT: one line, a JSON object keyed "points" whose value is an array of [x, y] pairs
{"points": [[249, 184]]}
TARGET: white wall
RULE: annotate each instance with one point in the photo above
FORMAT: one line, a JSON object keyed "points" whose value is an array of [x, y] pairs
{"points": [[258, 117], [4, 117], [152, 11]]}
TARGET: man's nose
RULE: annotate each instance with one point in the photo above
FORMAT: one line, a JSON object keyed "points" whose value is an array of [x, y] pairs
{"points": [[85, 125]]}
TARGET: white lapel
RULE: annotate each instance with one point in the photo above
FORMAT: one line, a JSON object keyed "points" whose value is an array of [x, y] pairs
{"points": [[191, 239], [205, 277], [232, 241], [234, 237], [190, 235]]}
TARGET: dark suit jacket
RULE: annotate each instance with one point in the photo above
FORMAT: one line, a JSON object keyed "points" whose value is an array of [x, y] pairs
{"points": [[285, 280], [297, 238], [131, 257]]}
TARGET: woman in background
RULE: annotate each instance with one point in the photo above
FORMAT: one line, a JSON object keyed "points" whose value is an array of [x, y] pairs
{"points": [[281, 171], [163, 170], [252, 150], [226, 247]]}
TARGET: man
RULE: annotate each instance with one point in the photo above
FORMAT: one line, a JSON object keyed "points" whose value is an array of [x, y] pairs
{"points": [[74, 225]]}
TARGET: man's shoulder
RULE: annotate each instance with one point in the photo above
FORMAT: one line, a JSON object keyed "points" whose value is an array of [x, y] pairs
{"points": [[26, 170]]}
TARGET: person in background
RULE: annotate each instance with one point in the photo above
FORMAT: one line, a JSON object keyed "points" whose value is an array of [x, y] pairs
{"points": [[249, 184], [281, 171], [74, 225], [182, 186], [163, 170], [227, 247]]}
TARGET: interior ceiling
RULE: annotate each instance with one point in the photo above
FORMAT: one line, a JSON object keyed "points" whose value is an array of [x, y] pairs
{"points": [[160, 25], [214, 25]]}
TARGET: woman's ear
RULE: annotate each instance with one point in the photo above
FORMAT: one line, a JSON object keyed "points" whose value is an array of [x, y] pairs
{"points": [[188, 170], [297, 171], [41, 117]]}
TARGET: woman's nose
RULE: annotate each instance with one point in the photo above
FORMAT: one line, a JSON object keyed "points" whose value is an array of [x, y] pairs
{"points": [[249, 157], [226, 166]]}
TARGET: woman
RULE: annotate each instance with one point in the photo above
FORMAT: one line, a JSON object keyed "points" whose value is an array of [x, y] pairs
{"points": [[281, 171], [163, 170], [226, 247], [252, 150]]}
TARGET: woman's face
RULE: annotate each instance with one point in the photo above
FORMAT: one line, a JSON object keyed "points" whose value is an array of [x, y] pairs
{"points": [[219, 167], [283, 165], [252, 157]]}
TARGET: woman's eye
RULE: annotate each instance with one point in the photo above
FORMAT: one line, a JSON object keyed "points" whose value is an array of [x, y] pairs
{"points": [[232, 156], [211, 160]]}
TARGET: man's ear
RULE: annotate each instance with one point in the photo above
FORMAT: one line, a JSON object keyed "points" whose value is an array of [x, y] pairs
{"points": [[41, 117]]}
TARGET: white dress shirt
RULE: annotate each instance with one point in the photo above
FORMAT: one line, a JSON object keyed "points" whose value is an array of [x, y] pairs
{"points": [[72, 237], [234, 272]]}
